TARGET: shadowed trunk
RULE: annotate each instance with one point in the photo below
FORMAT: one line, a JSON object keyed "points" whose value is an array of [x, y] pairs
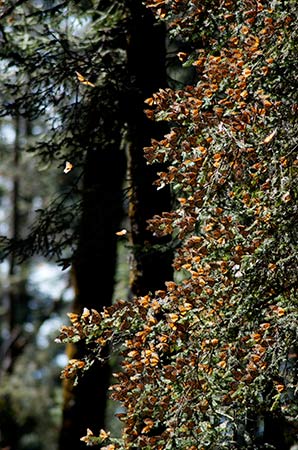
{"points": [[147, 69], [93, 272]]}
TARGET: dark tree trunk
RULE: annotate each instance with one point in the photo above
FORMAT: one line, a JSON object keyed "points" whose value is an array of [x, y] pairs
{"points": [[93, 271], [147, 70], [95, 259]]}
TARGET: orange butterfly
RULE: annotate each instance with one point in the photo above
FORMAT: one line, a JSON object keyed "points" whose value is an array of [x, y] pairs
{"points": [[68, 167], [122, 232], [270, 137], [83, 80]]}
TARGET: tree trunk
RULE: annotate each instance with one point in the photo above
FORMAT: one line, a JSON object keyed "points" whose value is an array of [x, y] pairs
{"points": [[147, 69], [93, 272], [95, 259]]}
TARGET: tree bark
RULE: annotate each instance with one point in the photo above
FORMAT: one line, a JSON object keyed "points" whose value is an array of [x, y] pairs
{"points": [[147, 69], [95, 259], [93, 272]]}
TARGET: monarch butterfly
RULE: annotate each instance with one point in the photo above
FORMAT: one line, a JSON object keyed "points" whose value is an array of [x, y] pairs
{"points": [[270, 137], [68, 167], [83, 80], [122, 232]]}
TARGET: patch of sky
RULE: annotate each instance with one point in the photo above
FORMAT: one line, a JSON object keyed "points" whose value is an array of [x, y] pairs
{"points": [[61, 360], [47, 330], [5, 185], [75, 26], [7, 133], [37, 203], [49, 280], [4, 227], [51, 283], [37, 130]]}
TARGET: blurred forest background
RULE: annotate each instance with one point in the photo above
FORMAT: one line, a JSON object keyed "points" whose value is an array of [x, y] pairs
{"points": [[45, 122]]}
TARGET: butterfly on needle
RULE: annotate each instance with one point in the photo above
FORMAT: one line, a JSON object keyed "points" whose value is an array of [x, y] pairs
{"points": [[83, 80]]}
